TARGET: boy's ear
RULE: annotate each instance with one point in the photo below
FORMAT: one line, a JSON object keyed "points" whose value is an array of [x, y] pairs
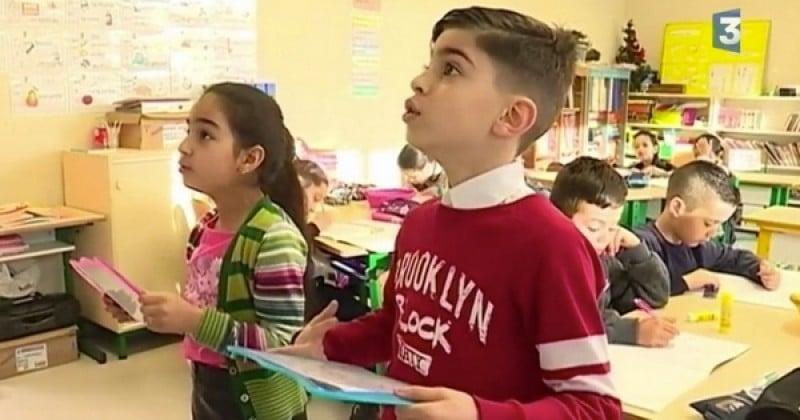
{"points": [[676, 206], [518, 117]]}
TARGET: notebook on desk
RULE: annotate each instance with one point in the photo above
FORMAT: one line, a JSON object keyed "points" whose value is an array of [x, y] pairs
{"points": [[651, 378], [747, 291]]}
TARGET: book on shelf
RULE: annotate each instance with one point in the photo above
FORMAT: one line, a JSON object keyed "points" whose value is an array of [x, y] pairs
{"points": [[12, 244], [775, 154]]}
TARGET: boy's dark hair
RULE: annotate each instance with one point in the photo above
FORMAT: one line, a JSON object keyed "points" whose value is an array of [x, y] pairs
{"points": [[590, 180], [255, 119], [310, 172], [410, 158], [649, 134], [531, 57], [695, 181]]}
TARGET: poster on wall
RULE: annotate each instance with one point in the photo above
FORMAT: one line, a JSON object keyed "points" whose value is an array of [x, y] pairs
{"points": [[366, 48], [83, 55]]}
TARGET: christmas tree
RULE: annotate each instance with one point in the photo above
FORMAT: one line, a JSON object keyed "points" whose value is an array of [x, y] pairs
{"points": [[633, 54]]}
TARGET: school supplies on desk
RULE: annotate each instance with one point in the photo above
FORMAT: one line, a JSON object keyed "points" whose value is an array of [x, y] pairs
{"points": [[644, 307], [734, 406], [109, 282], [747, 291], [328, 380], [686, 362]]}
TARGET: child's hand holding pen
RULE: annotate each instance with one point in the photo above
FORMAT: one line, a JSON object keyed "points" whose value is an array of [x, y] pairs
{"points": [[769, 275], [654, 331]]}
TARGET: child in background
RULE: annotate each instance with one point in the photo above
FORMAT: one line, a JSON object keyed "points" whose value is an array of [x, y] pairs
{"points": [[592, 194], [645, 145], [246, 259], [709, 147], [519, 336], [319, 292], [700, 197], [421, 173], [315, 184]]}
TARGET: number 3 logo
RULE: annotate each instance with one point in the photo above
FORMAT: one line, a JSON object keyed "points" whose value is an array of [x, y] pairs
{"points": [[732, 28], [727, 30]]}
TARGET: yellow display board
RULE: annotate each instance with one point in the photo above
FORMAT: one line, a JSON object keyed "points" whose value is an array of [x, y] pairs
{"points": [[688, 58]]}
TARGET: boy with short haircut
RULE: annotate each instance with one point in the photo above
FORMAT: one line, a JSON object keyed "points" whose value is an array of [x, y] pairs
{"points": [[592, 194], [490, 308], [700, 197]]}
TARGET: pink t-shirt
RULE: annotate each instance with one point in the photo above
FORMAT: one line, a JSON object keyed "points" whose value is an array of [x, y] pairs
{"points": [[201, 287]]}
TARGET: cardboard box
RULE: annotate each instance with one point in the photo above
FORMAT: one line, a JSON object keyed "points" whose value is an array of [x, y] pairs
{"points": [[37, 352], [153, 131]]}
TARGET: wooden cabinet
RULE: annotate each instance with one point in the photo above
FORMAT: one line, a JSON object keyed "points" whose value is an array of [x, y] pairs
{"points": [[147, 212]]}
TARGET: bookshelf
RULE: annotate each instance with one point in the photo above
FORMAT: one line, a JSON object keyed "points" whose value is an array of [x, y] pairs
{"points": [[592, 122], [769, 124]]}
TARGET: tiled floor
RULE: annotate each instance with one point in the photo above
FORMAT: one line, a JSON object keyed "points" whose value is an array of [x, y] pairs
{"points": [[149, 385]]}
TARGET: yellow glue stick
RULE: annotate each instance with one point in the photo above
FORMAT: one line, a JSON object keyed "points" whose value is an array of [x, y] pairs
{"points": [[701, 316], [725, 314]]}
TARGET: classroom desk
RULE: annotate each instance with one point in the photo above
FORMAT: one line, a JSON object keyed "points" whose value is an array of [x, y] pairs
{"points": [[774, 338], [778, 184], [775, 219], [377, 263], [64, 222], [635, 213]]}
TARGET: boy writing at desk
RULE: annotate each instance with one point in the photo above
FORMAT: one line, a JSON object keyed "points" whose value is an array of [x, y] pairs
{"points": [[592, 194], [700, 197], [491, 304]]}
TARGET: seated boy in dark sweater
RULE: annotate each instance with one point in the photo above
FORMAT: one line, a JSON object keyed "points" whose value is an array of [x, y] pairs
{"points": [[591, 193], [700, 197]]}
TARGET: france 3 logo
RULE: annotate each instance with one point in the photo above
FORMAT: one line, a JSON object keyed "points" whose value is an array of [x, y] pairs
{"points": [[727, 30]]}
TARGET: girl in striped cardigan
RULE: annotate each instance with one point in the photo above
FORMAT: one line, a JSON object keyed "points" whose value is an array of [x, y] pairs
{"points": [[246, 258]]}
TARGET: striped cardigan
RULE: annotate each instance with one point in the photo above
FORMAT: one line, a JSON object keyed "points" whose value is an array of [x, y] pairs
{"points": [[259, 306]]}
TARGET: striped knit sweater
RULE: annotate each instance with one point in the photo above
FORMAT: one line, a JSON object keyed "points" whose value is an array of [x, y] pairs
{"points": [[260, 306]]}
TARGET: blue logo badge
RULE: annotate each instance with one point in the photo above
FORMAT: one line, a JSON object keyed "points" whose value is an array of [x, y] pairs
{"points": [[726, 30]]}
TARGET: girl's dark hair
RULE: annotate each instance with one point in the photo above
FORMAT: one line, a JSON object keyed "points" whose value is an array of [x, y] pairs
{"points": [[714, 141], [310, 172], [255, 119], [653, 140], [411, 158]]}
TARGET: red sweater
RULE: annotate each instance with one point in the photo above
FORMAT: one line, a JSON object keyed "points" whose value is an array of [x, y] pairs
{"points": [[500, 303]]}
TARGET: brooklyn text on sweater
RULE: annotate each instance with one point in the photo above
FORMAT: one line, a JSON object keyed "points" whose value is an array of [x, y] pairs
{"points": [[418, 272]]}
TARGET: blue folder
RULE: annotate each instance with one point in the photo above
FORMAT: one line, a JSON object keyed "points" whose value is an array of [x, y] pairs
{"points": [[320, 387]]}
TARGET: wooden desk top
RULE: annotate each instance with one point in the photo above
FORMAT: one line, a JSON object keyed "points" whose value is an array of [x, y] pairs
{"points": [[651, 192], [349, 212], [774, 338], [776, 217], [768, 180], [61, 217]]}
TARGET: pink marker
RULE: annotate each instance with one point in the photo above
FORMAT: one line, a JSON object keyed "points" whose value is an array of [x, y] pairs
{"points": [[644, 307]]}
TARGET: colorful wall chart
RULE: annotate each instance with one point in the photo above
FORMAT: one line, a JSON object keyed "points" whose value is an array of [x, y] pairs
{"points": [[366, 48], [688, 58], [66, 56]]}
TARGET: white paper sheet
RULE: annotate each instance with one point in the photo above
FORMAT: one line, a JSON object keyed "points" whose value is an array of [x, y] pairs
{"points": [[686, 362], [746, 291]]}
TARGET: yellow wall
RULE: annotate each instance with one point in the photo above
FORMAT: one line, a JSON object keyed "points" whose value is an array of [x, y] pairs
{"points": [[306, 50], [783, 60]]}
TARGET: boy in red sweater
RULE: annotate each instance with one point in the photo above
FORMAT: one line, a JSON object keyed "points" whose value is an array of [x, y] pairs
{"points": [[491, 305]]}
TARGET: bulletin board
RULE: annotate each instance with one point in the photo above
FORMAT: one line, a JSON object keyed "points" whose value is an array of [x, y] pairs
{"points": [[688, 58], [69, 56]]}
